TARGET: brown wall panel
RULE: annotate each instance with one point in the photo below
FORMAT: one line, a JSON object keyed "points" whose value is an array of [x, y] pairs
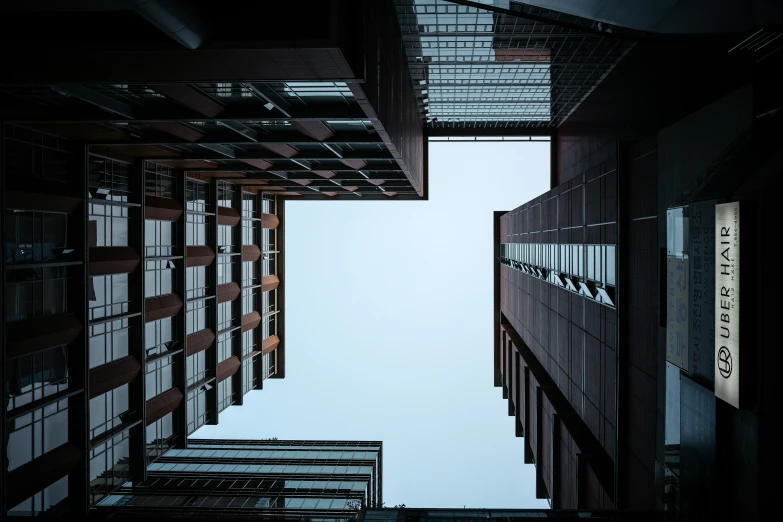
{"points": [[228, 368], [269, 344], [251, 253], [269, 282], [113, 375], [228, 292], [200, 256], [162, 209], [250, 321], [162, 306], [163, 404], [269, 221], [30, 478], [40, 333], [228, 216], [200, 341], [112, 260]]}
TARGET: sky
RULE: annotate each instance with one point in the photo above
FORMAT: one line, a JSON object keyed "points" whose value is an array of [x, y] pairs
{"points": [[389, 332]]}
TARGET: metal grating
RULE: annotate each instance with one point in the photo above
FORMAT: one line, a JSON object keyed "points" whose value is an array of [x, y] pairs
{"points": [[479, 68]]}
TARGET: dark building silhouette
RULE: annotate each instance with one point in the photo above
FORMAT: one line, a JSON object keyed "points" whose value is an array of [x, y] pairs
{"points": [[617, 335], [328, 480], [145, 169]]}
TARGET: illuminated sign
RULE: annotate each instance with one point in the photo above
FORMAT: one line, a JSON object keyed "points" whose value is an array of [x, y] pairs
{"points": [[727, 302]]}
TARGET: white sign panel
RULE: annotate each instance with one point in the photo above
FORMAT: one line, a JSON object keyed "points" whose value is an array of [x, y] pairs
{"points": [[727, 302]]}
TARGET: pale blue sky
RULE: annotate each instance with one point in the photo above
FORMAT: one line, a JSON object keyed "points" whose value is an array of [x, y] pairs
{"points": [[389, 332]]}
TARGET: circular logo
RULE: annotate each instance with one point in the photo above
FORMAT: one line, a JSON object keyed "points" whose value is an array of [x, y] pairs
{"points": [[724, 362]]}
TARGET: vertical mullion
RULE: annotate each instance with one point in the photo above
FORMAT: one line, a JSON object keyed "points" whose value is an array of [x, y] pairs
{"points": [[4, 427], [138, 394], [78, 362], [258, 298], [236, 308], [179, 286], [212, 362], [279, 235]]}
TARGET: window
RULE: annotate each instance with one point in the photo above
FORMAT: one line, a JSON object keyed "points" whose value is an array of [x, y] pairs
{"points": [[197, 194], [36, 237], [270, 263], [249, 232], [225, 194], [32, 154], [223, 89], [48, 501], [249, 206], [225, 394], [110, 179], [160, 435], [160, 377], [158, 278], [111, 224], [197, 409], [225, 268], [248, 300], [36, 433], [109, 341], [248, 376], [197, 316], [108, 411], [248, 273], [109, 466], [225, 319], [225, 346], [268, 364], [159, 180], [159, 238], [37, 375], [196, 230], [109, 296], [35, 292], [268, 204], [159, 336], [197, 282], [197, 367]]}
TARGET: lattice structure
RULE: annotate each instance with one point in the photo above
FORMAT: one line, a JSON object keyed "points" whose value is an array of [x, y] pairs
{"points": [[493, 68]]}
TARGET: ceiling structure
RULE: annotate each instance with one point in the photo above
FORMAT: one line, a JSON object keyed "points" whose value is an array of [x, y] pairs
{"points": [[503, 65], [294, 138]]}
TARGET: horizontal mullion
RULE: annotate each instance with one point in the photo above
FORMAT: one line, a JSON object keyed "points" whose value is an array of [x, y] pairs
{"points": [[202, 298], [40, 403], [162, 356], [103, 437], [111, 203], [20, 266], [104, 320]]}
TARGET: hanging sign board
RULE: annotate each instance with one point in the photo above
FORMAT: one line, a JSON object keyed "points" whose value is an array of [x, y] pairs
{"points": [[727, 302]]}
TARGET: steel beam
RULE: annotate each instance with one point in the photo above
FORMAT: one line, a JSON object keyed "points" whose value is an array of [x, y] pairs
{"points": [[270, 96], [242, 155], [136, 282], [101, 101], [290, 138], [13, 110], [241, 128], [220, 149], [102, 64]]}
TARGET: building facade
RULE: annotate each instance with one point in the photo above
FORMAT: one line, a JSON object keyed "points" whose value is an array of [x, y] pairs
{"points": [[617, 305], [139, 303], [329, 480], [143, 217]]}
